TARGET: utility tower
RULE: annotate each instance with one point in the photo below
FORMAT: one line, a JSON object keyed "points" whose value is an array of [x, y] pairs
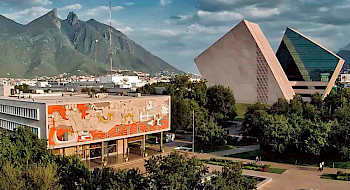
{"points": [[96, 52], [110, 36]]}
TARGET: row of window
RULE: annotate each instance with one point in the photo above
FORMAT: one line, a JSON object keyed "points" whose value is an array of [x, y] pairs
{"points": [[20, 111], [11, 126]]}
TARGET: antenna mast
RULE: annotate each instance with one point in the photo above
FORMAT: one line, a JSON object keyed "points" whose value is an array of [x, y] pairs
{"points": [[110, 36], [96, 52]]}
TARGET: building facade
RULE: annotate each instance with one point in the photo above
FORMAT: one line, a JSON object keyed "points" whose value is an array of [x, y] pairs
{"points": [[244, 61], [310, 67], [87, 126]]}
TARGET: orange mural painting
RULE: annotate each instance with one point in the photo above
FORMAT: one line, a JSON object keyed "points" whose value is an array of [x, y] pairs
{"points": [[73, 123], [83, 109], [58, 108]]}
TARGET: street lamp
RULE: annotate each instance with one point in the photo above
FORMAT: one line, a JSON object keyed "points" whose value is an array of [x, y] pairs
{"points": [[193, 131]]}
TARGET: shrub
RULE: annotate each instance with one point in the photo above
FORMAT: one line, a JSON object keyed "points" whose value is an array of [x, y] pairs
{"points": [[340, 173]]}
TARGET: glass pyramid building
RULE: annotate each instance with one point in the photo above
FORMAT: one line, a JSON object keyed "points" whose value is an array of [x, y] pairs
{"points": [[312, 67]]}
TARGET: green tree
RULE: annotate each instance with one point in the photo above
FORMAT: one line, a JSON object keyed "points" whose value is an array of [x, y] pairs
{"points": [[179, 86], [42, 177], [230, 178], [29, 148], [181, 114], [35, 177], [147, 89], [198, 92], [296, 105], [280, 107], [277, 134], [71, 170], [11, 178], [315, 137], [221, 103], [254, 120], [175, 171], [316, 100], [131, 179], [22, 148], [211, 134]]}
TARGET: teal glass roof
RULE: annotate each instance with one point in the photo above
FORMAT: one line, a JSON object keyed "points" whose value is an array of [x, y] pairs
{"points": [[304, 60]]}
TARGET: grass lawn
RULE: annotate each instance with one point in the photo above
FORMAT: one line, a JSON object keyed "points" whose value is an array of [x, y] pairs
{"points": [[276, 170], [251, 155], [240, 109], [249, 166], [328, 176], [207, 149], [335, 177]]}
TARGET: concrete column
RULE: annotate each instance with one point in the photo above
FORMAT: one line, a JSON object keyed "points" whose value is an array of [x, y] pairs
{"points": [[120, 145], [161, 141], [143, 145], [125, 147], [102, 150]]}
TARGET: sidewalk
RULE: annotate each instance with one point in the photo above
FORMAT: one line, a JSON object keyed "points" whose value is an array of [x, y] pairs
{"points": [[295, 178], [237, 150]]}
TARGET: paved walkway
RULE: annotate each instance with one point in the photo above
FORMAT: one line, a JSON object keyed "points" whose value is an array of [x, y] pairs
{"points": [[237, 150], [295, 178]]}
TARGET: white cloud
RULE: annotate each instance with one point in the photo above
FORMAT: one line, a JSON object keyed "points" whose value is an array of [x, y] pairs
{"points": [[101, 10], [164, 3], [197, 29], [114, 22], [259, 12], [28, 3], [71, 7], [126, 29], [161, 32], [27, 15], [129, 3], [209, 18]]}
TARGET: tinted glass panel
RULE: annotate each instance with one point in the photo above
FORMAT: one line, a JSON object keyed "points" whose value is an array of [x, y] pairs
{"points": [[303, 60]]}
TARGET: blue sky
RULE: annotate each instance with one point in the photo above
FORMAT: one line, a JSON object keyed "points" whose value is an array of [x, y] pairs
{"points": [[179, 30]]}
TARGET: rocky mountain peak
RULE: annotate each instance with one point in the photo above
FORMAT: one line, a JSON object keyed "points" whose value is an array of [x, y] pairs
{"points": [[54, 13], [72, 18]]}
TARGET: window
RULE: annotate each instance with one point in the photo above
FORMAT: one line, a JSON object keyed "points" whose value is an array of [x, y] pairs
{"points": [[20, 111], [11, 126]]}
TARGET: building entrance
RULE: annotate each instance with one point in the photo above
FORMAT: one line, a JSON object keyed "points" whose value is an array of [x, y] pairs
{"points": [[95, 150]]}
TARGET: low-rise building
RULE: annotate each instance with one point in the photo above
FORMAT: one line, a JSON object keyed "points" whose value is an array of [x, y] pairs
{"points": [[87, 126]]}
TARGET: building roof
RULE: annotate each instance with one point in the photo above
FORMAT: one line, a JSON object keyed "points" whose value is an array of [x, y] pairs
{"points": [[57, 98]]}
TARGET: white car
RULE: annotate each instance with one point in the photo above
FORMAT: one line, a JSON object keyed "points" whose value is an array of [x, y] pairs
{"points": [[183, 148]]}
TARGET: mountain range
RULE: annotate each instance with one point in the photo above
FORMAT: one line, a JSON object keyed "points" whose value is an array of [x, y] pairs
{"points": [[345, 54], [49, 46]]}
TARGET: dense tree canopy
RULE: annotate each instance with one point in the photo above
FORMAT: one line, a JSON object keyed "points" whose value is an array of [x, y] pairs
{"points": [[211, 134], [34, 167], [217, 101], [221, 103], [230, 178], [319, 128]]}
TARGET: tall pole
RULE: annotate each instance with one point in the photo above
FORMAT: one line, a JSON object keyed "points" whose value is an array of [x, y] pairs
{"points": [[193, 132], [110, 36], [96, 53]]}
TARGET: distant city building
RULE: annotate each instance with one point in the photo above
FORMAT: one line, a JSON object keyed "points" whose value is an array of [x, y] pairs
{"points": [[87, 126], [121, 80], [345, 79], [244, 61]]}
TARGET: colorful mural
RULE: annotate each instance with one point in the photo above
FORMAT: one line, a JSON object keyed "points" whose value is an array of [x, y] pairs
{"points": [[72, 123]]}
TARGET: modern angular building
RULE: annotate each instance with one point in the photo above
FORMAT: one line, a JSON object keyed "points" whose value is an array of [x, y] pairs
{"points": [[244, 61], [310, 67]]}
